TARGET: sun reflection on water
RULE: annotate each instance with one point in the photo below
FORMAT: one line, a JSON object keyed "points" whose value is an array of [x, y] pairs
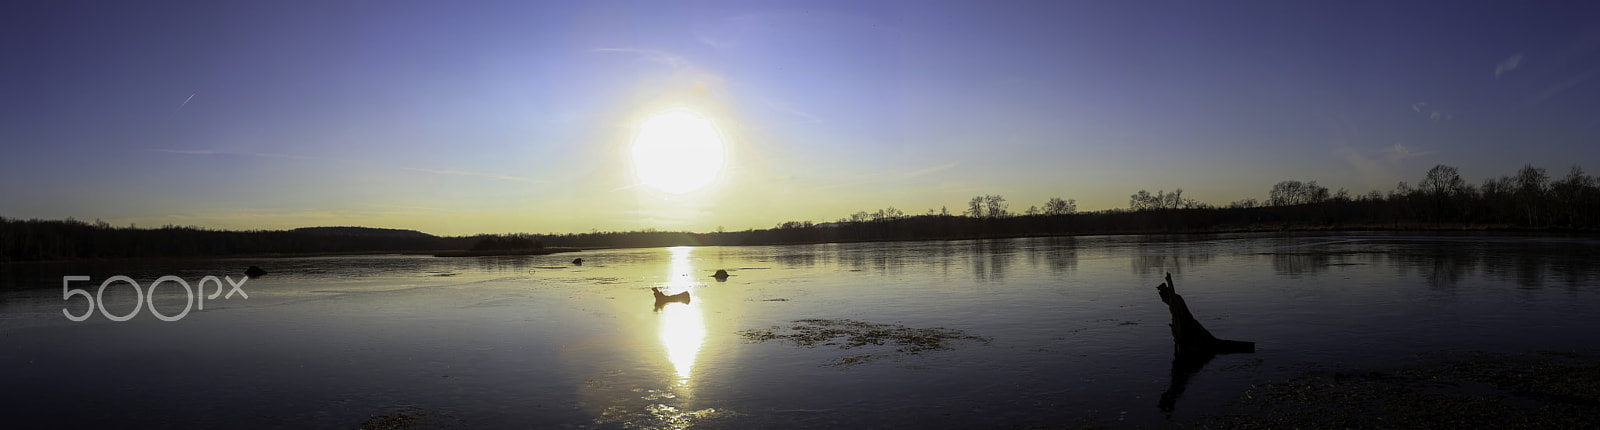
{"points": [[683, 328]]}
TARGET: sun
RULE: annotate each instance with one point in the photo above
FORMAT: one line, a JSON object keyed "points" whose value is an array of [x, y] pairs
{"points": [[677, 152]]}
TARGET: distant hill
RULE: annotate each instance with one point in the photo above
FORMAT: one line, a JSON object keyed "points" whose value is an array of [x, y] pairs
{"points": [[365, 232], [70, 239]]}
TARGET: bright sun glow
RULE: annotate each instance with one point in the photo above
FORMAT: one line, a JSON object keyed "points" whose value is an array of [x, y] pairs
{"points": [[677, 152]]}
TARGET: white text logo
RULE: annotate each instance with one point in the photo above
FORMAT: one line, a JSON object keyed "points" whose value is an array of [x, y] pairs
{"points": [[97, 302]]}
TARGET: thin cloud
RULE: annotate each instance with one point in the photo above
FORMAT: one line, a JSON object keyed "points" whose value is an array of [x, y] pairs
{"points": [[1508, 65], [630, 186], [784, 108], [664, 57], [1400, 152], [716, 42], [732, 32], [1374, 173], [216, 152], [302, 157], [185, 103], [930, 170], [184, 151], [1434, 115], [477, 174], [894, 176], [767, 27], [1378, 168], [1561, 87]]}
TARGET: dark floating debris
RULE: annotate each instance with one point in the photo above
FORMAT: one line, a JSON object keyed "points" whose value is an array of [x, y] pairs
{"points": [[852, 360], [847, 334], [254, 271], [408, 418], [577, 261]]}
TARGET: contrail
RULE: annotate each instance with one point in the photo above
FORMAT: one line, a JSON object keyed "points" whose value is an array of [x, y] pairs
{"points": [[185, 103]]}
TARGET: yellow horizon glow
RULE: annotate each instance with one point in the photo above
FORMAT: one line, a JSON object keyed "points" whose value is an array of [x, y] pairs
{"points": [[677, 152]]}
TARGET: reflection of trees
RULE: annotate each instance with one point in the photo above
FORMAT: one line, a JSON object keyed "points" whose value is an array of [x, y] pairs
{"points": [[853, 259], [882, 258], [946, 258], [1443, 264], [1530, 270], [885, 258], [1577, 269], [1527, 265], [989, 259], [940, 255], [1147, 264], [1295, 265], [798, 259], [1060, 253], [1161, 254], [510, 263], [1300, 260]]}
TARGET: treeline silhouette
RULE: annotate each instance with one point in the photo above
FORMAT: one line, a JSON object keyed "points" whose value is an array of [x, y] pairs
{"points": [[1530, 199], [70, 239], [498, 242]]}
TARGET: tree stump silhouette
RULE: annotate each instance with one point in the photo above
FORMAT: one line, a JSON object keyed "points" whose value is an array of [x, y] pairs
{"points": [[1193, 345], [1188, 336]]}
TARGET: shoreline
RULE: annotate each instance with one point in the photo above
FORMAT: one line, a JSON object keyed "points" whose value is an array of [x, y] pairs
{"points": [[1540, 232], [451, 253], [1531, 389]]}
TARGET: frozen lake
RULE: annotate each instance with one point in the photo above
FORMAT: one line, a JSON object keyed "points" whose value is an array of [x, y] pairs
{"points": [[1077, 333]]}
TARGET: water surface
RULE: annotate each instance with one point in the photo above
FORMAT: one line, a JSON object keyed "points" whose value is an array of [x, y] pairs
{"points": [[1077, 332]]}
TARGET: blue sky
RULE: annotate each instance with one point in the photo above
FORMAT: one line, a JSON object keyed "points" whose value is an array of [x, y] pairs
{"points": [[456, 118]]}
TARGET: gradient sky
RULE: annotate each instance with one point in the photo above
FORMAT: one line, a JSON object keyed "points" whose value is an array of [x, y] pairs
{"points": [[469, 117]]}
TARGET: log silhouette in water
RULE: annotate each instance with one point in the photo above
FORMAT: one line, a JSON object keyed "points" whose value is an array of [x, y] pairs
{"points": [[1193, 345], [662, 299]]}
